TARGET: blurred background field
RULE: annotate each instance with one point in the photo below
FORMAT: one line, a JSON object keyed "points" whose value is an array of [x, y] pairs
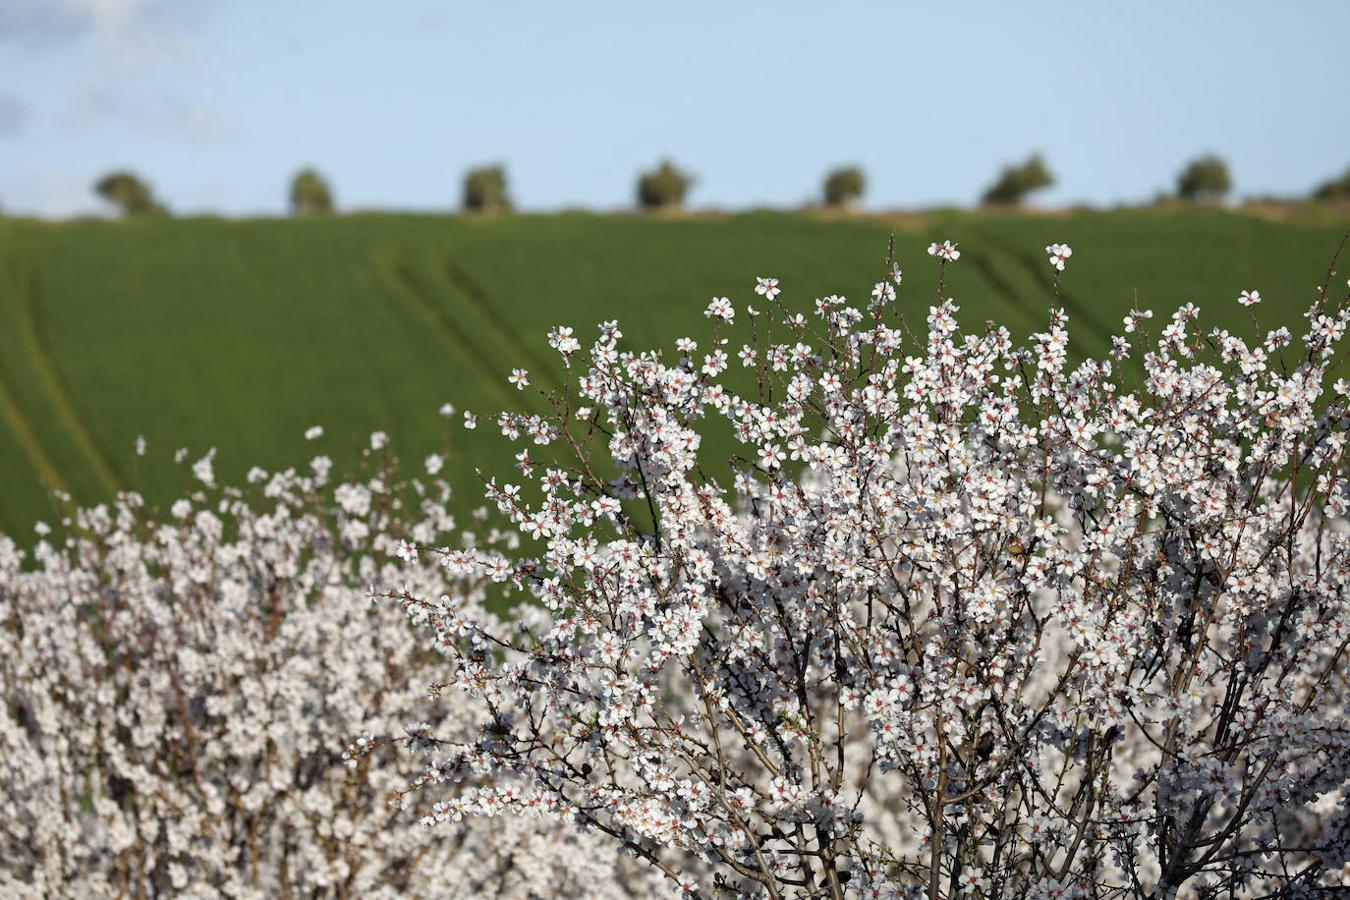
{"points": [[238, 334]]}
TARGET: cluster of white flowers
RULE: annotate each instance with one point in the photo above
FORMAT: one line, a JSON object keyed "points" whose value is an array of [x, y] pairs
{"points": [[965, 619], [945, 251], [177, 696], [1059, 255]]}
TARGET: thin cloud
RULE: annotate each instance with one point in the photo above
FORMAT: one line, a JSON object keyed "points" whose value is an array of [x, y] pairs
{"points": [[14, 116], [125, 34], [125, 47], [160, 114]]}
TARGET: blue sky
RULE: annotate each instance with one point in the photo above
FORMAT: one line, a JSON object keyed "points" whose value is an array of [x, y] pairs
{"points": [[218, 102]]}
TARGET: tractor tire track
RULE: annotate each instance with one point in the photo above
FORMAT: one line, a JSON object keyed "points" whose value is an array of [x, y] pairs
{"points": [[1040, 275], [482, 304], [48, 472], [985, 267], [22, 428], [407, 283], [55, 384]]}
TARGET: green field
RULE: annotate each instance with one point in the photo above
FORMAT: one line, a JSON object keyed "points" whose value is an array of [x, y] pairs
{"points": [[238, 335]]}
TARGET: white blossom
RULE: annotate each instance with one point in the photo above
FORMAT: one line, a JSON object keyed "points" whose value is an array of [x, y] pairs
{"points": [[1059, 254], [1080, 630], [945, 251], [178, 695]]}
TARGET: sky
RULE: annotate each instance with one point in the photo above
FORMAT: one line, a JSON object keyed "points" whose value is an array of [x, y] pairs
{"points": [[218, 102]]}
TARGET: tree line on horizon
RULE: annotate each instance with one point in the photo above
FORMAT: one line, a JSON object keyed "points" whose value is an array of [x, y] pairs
{"points": [[1205, 179]]}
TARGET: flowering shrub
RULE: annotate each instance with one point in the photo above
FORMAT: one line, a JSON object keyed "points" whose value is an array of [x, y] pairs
{"points": [[178, 694], [966, 620]]}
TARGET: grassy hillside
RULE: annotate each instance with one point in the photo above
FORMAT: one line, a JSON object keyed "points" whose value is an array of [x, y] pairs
{"points": [[240, 334]]}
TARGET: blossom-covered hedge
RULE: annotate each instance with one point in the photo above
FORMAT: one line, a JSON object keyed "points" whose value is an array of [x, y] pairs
{"points": [[178, 693]]}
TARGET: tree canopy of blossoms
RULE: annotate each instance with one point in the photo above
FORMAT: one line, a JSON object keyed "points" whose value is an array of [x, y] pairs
{"points": [[178, 693], [965, 619]]}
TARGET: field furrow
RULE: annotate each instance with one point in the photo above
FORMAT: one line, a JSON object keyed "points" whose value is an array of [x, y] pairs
{"points": [[238, 335], [22, 430], [56, 387], [459, 339]]}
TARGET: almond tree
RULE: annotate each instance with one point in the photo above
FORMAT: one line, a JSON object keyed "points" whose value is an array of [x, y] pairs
{"points": [[964, 618]]}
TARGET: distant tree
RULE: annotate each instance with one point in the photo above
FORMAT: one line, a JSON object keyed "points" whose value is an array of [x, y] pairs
{"points": [[664, 186], [310, 194], [485, 190], [1015, 182], [1204, 180], [129, 193], [1335, 189], [844, 186]]}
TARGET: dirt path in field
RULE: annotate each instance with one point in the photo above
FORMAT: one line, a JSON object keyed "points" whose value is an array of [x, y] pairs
{"points": [[30, 316]]}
